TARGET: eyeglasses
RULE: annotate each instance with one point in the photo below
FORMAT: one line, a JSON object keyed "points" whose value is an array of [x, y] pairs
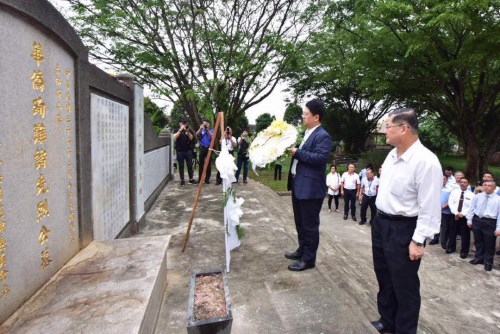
{"points": [[392, 126]]}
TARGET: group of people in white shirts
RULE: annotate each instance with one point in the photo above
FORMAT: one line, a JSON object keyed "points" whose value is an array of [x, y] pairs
{"points": [[354, 187]]}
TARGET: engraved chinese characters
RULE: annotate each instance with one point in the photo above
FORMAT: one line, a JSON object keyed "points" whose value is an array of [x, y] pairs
{"points": [[4, 288], [110, 167]]}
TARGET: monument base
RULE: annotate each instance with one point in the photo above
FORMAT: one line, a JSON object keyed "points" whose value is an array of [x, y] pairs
{"points": [[108, 287]]}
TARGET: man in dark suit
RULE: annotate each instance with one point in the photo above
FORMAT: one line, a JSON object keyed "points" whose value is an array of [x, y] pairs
{"points": [[306, 180]]}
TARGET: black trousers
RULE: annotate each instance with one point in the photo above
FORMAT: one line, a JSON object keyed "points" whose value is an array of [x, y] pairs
{"points": [[485, 238], [306, 215], [350, 198], [459, 227], [277, 172], [336, 197], [444, 234], [203, 156], [186, 156], [368, 201], [398, 298]]}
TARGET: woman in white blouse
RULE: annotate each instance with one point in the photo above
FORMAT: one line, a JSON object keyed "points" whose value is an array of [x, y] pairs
{"points": [[333, 184]]}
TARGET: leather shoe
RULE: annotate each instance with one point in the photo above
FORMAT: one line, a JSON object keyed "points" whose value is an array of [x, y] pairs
{"points": [[354, 218], [463, 255], [362, 223], [487, 267], [345, 217], [449, 251], [381, 328], [300, 266], [293, 256], [476, 261], [434, 241]]}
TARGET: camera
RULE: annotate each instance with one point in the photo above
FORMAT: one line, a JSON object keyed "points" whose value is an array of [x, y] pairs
{"points": [[227, 130], [205, 126]]}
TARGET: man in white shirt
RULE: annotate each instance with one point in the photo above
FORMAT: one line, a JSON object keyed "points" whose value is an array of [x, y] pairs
{"points": [[349, 188], [368, 195], [459, 203], [408, 213], [484, 219]]}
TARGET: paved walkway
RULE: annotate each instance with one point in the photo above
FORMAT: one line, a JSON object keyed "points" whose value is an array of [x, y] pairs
{"points": [[338, 296]]}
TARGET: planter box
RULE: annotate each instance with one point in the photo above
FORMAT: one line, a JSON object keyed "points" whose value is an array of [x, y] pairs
{"points": [[221, 325]]}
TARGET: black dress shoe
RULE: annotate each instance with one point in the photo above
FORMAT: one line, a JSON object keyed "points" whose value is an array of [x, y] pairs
{"points": [[381, 328], [293, 256], [354, 218], [300, 266], [487, 267], [345, 217], [434, 241], [476, 261], [463, 255], [449, 251], [362, 223]]}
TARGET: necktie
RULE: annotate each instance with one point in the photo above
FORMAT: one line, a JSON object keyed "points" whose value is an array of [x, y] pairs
{"points": [[461, 202], [482, 209]]}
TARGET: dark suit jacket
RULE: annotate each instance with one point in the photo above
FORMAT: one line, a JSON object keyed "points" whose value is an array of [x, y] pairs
{"points": [[309, 182]]}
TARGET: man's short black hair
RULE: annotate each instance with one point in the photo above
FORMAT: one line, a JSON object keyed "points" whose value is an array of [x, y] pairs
{"points": [[406, 116], [449, 168], [206, 120], [316, 107]]}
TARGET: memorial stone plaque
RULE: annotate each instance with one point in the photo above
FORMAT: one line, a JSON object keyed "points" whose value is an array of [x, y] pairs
{"points": [[110, 166], [157, 165], [38, 203]]}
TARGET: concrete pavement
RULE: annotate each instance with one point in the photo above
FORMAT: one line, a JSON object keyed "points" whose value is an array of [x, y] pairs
{"points": [[338, 296]]}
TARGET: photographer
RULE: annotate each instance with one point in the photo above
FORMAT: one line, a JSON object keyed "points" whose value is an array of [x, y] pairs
{"points": [[204, 135], [229, 142], [244, 144], [183, 138]]}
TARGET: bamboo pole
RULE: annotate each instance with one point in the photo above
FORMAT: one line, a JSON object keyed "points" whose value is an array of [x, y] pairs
{"points": [[220, 120]]}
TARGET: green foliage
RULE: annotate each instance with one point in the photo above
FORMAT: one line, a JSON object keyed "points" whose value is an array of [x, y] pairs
{"points": [[211, 56], [293, 114], [263, 121], [156, 114], [435, 135]]}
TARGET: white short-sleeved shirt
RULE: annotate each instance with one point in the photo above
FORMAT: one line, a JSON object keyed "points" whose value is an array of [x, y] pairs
{"points": [[333, 180], [411, 186], [454, 201], [350, 181], [370, 187]]}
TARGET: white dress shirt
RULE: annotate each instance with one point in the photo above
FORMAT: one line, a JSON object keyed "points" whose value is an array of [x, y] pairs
{"points": [[333, 180], [491, 210], [411, 186], [370, 186], [308, 132], [350, 181], [454, 201]]}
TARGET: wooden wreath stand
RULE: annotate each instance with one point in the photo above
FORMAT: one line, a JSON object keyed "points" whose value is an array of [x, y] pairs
{"points": [[218, 123]]}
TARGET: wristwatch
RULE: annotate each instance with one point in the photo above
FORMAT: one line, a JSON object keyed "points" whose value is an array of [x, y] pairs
{"points": [[418, 244]]}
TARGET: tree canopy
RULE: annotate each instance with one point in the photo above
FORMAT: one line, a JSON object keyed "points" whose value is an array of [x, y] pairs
{"points": [[293, 114], [211, 56], [263, 121]]}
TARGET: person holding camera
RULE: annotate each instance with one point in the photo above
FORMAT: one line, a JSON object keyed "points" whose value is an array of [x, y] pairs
{"points": [[244, 144], [204, 135], [183, 138], [229, 142]]}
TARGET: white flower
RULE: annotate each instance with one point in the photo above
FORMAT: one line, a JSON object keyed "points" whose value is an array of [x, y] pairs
{"points": [[226, 166], [272, 143], [233, 210]]}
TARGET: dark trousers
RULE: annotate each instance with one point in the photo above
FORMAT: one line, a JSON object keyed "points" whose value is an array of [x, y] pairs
{"points": [[203, 156], [484, 236], [188, 157], [444, 232], [368, 201], [306, 215], [350, 198], [239, 163], [398, 298], [459, 227], [336, 197], [277, 172]]}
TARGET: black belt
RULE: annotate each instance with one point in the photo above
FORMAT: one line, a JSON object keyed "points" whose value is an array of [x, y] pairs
{"points": [[487, 219], [395, 217]]}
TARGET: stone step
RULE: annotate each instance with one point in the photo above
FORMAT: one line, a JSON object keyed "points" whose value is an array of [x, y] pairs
{"points": [[109, 287]]}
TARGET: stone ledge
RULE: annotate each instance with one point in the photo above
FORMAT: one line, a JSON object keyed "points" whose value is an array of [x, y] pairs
{"points": [[108, 287]]}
